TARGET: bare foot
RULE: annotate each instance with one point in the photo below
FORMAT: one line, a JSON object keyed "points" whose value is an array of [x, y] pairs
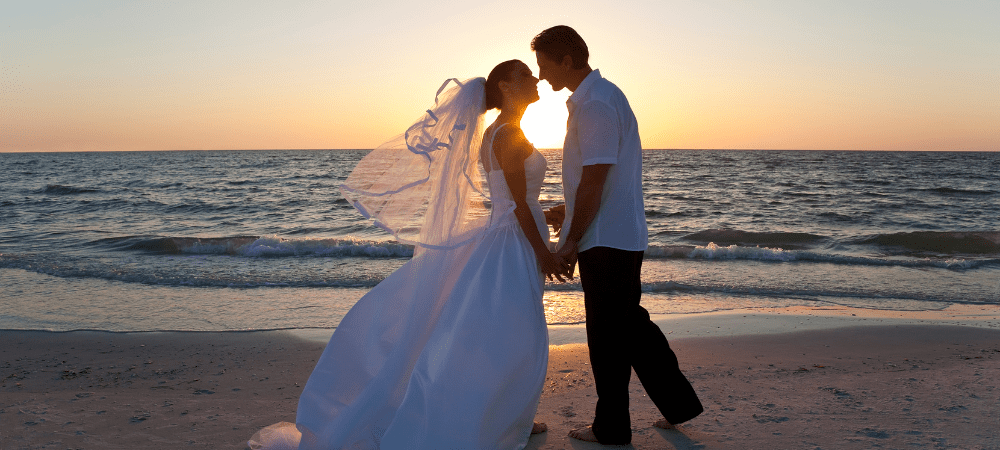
{"points": [[662, 423], [539, 427], [583, 434]]}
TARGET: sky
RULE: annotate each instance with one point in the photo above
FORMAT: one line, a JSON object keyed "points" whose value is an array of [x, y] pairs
{"points": [[209, 75]]}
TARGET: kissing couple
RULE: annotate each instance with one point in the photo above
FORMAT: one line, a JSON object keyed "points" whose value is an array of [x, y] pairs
{"points": [[450, 351]]}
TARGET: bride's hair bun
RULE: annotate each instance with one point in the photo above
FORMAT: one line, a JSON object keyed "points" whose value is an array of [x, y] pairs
{"points": [[494, 98]]}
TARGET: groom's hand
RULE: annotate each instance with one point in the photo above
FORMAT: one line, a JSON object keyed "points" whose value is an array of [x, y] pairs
{"points": [[554, 267], [568, 254]]}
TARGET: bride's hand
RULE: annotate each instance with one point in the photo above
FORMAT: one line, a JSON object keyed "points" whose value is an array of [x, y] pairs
{"points": [[554, 267], [568, 255]]}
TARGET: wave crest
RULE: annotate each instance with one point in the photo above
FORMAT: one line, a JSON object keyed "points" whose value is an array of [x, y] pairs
{"points": [[945, 242], [713, 251], [954, 191], [59, 189], [739, 237], [262, 246]]}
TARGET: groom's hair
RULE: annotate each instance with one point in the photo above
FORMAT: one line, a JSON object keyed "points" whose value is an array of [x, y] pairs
{"points": [[559, 41]]}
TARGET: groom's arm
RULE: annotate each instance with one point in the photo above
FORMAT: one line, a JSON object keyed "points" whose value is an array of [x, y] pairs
{"points": [[588, 202], [599, 139]]}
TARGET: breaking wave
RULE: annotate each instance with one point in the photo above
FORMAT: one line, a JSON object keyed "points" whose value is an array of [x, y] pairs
{"points": [[262, 246]]}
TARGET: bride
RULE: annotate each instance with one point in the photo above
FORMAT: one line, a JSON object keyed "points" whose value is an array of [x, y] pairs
{"points": [[451, 349]]}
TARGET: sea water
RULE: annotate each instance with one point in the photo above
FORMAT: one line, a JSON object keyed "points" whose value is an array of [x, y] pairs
{"points": [[257, 240]]}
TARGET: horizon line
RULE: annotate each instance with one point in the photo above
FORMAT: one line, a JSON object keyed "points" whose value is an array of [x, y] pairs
{"points": [[551, 148]]}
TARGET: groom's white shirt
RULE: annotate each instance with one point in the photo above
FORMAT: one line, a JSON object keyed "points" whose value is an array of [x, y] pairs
{"points": [[602, 129]]}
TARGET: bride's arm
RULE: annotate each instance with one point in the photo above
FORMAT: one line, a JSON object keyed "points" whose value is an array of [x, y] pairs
{"points": [[511, 149]]}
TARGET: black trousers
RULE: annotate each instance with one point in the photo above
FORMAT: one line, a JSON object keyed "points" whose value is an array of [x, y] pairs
{"points": [[621, 337]]}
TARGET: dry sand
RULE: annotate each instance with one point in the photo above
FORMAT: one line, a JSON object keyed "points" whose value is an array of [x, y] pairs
{"points": [[870, 386]]}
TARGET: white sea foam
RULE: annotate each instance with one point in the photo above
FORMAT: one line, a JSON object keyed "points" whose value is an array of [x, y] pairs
{"points": [[275, 246], [871, 229], [713, 251]]}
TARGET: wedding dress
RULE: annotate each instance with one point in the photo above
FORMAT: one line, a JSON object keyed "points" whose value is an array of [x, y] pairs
{"points": [[448, 352]]}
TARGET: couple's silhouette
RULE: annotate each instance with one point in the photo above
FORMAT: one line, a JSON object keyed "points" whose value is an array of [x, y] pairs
{"points": [[451, 349]]}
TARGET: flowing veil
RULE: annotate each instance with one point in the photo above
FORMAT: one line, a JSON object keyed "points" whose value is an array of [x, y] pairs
{"points": [[417, 362], [424, 186]]}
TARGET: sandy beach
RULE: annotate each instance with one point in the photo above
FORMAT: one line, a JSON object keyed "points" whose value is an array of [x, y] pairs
{"points": [[783, 379]]}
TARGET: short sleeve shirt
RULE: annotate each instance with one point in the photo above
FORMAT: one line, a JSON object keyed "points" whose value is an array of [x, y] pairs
{"points": [[602, 129]]}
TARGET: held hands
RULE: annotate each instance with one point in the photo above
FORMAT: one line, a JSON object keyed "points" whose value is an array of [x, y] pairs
{"points": [[561, 264], [555, 268], [568, 255]]}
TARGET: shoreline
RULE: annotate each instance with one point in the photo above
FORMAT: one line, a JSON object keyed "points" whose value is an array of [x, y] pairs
{"points": [[802, 379], [729, 322], [760, 321]]}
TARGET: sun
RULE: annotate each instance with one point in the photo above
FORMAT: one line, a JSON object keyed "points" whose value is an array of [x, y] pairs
{"points": [[544, 122]]}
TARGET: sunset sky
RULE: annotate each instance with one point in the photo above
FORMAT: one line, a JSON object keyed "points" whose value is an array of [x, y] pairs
{"points": [[850, 75]]}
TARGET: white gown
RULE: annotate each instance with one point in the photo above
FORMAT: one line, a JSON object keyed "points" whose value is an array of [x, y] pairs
{"points": [[448, 352]]}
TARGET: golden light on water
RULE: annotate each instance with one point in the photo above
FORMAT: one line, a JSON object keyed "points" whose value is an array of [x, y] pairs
{"points": [[564, 307]]}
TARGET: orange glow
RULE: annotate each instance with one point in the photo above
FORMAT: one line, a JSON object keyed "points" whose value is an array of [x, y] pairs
{"points": [[763, 74]]}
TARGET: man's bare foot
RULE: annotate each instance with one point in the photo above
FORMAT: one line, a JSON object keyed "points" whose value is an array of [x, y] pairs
{"points": [[583, 434], [662, 423], [539, 427]]}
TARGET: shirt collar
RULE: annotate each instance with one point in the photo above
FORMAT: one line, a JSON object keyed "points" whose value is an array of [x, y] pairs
{"points": [[581, 90]]}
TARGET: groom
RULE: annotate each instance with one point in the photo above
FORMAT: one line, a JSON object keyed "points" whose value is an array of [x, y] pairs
{"points": [[605, 232]]}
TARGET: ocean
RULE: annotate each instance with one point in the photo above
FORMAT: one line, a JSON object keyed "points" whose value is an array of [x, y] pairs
{"points": [[263, 240]]}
